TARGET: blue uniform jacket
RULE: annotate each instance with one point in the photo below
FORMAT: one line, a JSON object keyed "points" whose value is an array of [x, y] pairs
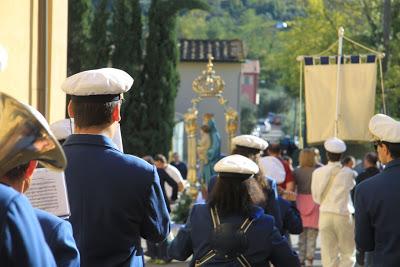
{"points": [[265, 243], [59, 237], [21, 239], [115, 200], [377, 216], [291, 219]]}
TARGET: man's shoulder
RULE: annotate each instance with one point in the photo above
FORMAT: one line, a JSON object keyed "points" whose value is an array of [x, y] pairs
{"points": [[130, 162], [9, 198], [347, 171], [373, 183], [321, 170], [173, 171], [47, 219], [7, 195]]}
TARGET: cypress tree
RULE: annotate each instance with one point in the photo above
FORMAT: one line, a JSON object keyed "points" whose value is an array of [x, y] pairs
{"points": [[127, 35], [127, 55], [99, 47], [79, 12], [161, 78]]}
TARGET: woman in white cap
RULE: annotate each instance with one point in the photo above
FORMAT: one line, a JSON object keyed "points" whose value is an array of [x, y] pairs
{"points": [[251, 147], [230, 230]]}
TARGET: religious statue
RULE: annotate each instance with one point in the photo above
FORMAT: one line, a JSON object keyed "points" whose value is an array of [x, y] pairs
{"points": [[204, 144], [213, 152]]}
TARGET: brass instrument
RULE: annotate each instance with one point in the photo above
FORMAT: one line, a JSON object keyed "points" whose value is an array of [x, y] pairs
{"points": [[24, 136]]}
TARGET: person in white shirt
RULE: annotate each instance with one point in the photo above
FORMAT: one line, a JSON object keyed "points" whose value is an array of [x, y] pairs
{"points": [[161, 162], [330, 188]]}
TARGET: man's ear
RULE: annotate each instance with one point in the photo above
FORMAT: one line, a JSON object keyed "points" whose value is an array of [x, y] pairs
{"points": [[70, 110], [116, 113], [31, 167]]}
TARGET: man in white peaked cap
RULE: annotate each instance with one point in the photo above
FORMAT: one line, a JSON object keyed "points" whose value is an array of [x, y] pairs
{"points": [[377, 199], [330, 188], [115, 198]]}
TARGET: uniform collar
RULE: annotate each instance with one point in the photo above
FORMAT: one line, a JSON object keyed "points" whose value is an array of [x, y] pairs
{"points": [[90, 139], [256, 212], [333, 163], [393, 163]]}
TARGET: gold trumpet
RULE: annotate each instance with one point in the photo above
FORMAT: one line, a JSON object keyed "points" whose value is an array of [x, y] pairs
{"points": [[24, 136]]}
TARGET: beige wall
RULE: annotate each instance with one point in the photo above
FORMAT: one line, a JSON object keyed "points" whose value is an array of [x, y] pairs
{"points": [[23, 35], [230, 73]]}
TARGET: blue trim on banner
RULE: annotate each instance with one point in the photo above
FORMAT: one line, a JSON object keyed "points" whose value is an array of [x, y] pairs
{"points": [[355, 59], [324, 60], [371, 58], [341, 59], [308, 61]]}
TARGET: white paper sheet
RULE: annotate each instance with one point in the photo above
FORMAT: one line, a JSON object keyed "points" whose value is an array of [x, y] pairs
{"points": [[48, 192]]}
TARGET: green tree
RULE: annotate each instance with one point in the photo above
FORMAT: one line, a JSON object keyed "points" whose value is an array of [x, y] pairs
{"points": [[248, 116], [99, 46], [127, 36], [128, 55], [161, 78], [79, 18]]}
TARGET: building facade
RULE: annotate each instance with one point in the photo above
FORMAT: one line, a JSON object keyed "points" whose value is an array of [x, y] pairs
{"points": [[34, 36], [228, 58], [250, 79]]}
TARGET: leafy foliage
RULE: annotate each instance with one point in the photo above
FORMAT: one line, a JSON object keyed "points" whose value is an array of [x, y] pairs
{"points": [[79, 19], [160, 76], [99, 45], [312, 28]]}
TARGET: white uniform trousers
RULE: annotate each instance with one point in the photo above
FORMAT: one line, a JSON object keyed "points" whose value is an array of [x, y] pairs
{"points": [[337, 240]]}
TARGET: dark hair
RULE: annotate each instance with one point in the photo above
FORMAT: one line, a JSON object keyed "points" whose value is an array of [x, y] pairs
{"points": [[394, 149], [160, 157], [333, 156], [230, 196], [274, 148], [149, 159], [346, 160], [18, 172], [93, 114], [371, 157]]}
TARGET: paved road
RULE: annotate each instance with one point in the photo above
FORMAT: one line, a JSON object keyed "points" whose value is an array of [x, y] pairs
{"points": [[317, 262]]}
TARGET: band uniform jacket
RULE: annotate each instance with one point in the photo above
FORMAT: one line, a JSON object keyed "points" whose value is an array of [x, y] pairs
{"points": [[59, 238], [377, 216], [21, 239], [115, 199], [265, 243]]}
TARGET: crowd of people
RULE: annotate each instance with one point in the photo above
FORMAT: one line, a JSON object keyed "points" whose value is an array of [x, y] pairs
{"points": [[256, 200]]}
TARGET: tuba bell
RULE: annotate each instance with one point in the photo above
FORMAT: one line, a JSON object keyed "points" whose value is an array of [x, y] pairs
{"points": [[24, 136]]}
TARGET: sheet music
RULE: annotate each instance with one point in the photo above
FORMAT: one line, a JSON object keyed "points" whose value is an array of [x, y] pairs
{"points": [[48, 192]]}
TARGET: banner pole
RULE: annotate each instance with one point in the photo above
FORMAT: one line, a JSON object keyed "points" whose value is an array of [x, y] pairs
{"points": [[340, 51]]}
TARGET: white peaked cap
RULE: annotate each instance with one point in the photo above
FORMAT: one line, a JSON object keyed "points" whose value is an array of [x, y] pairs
{"points": [[250, 141], [3, 58], [236, 164], [62, 128], [106, 81], [273, 168], [335, 145], [385, 128]]}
